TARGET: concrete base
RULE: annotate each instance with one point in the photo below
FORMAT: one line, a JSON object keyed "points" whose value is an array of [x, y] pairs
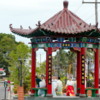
{"points": [[63, 98], [82, 95], [32, 94], [5, 99], [49, 95]]}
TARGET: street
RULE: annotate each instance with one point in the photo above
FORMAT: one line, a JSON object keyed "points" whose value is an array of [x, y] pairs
{"points": [[2, 91]]}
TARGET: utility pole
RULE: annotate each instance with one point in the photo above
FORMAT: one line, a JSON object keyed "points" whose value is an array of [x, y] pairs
{"points": [[96, 10]]}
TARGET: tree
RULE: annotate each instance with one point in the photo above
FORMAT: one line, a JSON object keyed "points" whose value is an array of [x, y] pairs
{"points": [[7, 44], [64, 61], [42, 69], [71, 62], [22, 52], [60, 62], [89, 53]]}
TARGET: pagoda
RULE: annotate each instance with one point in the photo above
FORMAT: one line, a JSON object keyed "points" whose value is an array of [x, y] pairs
{"points": [[68, 31]]}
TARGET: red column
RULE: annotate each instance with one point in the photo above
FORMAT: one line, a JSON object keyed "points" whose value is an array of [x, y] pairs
{"points": [[78, 72], [82, 90], [96, 73], [33, 69], [49, 71]]}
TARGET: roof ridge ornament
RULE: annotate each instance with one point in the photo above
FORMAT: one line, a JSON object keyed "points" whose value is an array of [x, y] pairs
{"points": [[21, 27], [10, 26], [65, 4], [39, 24], [96, 25], [29, 27]]}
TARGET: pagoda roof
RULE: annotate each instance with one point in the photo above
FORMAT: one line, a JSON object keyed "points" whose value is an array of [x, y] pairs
{"points": [[63, 23]]}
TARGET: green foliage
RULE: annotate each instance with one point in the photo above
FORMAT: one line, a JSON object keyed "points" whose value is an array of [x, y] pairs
{"points": [[71, 61], [60, 58], [7, 44], [27, 82], [90, 53], [15, 89], [42, 69], [63, 61], [20, 54], [12, 53]]}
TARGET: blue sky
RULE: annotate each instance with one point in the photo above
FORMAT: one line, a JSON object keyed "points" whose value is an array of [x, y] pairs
{"points": [[29, 12]]}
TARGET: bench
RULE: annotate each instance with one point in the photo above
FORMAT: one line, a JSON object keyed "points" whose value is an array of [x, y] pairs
{"points": [[36, 91], [93, 91]]}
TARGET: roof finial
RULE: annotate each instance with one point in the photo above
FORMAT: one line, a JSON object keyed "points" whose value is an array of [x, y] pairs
{"points": [[21, 27], [65, 4]]}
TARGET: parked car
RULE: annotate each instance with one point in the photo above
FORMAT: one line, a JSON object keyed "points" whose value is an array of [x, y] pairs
{"points": [[2, 73]]}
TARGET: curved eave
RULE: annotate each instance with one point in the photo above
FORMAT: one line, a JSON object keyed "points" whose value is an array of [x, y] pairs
{"points": [[69, 31], [29, 33], [23, 32], [90, 33]]}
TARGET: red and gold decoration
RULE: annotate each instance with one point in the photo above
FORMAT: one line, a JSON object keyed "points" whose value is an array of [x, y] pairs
{"points": [[49, 68], [83, 69]]}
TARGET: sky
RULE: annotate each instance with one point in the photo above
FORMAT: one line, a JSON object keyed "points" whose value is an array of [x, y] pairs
{"points": [[29, 12]]}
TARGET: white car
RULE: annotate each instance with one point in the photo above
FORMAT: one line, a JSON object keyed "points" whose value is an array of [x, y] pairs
{"points": [[2, 73]]}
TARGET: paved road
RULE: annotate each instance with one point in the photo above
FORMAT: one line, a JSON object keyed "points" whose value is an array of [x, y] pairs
{"points": [[2, 91]]}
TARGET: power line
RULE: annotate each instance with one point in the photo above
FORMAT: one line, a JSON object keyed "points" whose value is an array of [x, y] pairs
{"points": [[96, 9]]}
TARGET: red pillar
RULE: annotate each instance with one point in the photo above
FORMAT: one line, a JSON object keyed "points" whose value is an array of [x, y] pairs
{"points": [[96, 73], [33, 69], [49, 70], [78, 72], [82, 90]]}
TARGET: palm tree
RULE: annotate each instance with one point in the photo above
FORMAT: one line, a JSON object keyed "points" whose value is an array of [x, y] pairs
{"points": [[64, 61], [71, 62], [60, 62]]}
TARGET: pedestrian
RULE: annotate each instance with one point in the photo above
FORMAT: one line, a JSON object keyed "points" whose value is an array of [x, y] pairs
{"points": [[38, 81], [70, 87], [54, 85], [74, 85], [59, 87], [8, 84], [42, 84], [9, 89]]}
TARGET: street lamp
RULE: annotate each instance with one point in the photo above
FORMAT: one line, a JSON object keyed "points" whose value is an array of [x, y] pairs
{"points": [[18, 68], [20, 88], [20, 72]]}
